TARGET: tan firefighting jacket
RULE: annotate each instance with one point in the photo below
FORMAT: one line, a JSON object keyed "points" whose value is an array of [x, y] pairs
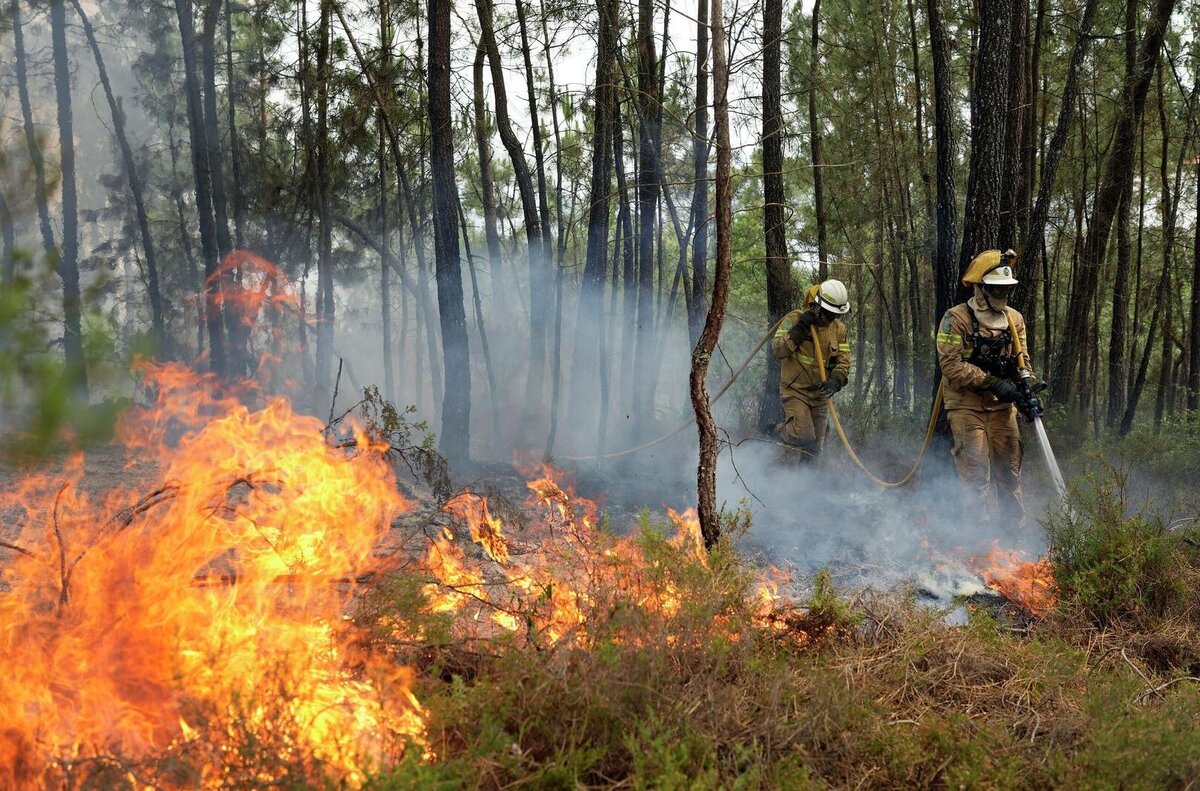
{"points": [[799, 377], [964, 381]]}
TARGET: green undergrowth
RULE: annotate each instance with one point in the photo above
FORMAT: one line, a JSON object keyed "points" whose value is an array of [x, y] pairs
{"points": [[847, 691]]}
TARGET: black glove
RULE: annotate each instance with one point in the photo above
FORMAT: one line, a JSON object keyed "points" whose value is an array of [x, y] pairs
{"points": [[1030, 406], [802, 329], [829, 387], [1004, 390]]}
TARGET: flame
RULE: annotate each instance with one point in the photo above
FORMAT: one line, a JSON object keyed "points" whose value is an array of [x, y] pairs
{"points": [[486, 530], [1029, 584], [130, 623]]}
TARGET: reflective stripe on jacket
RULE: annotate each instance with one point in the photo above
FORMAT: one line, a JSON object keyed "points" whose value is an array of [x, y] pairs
{"points": [[799, 377], [955, 344]]}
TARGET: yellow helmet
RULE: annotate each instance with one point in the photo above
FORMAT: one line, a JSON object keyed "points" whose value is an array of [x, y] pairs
{"points": [[991, 267]]}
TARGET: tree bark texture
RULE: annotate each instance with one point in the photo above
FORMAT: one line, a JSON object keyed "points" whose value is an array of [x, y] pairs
{"points": [[780, 287], [454, 442], [706, 472], [68, 261], [700, 227]]}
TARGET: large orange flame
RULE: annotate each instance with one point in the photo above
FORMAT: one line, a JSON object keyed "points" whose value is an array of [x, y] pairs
{"points": [[129, 623]]}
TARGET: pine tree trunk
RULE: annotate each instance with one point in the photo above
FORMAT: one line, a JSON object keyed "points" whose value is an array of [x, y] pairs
{"points": [[625, 243], [68, 262], [699, 210], [135, 185], [539, 295], [8, 260], [456, 405], [781, 289], [324, 297], [200, 171], [235, 162], [706, 473], [1193, 389], [814, 134], [986, 178], [945, 269], [649, 121], [487, 185], [559, 274], [587, 352]]}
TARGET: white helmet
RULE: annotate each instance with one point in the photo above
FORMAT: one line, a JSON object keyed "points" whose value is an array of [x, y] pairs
{"points": [[833, 297]]}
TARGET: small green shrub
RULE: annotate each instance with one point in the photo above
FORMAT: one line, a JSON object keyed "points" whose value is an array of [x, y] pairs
{"points": [[1119, 565]]}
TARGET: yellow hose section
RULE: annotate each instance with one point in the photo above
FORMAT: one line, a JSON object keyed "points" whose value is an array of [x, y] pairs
{"points": [[837, 423]]}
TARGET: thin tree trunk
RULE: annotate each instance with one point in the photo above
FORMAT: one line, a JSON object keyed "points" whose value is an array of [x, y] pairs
{"points": [[68, 262], [493, 391], [539, 295], [456, 404], [31, 139], [649, 120], [814, 131], [212, 135], [587, 352], [324, 300], [135, 185], [559, 274], [235, 162], [8, 260], [1193, 388], [625, 240], [699, 211], [486, 184], [706, 472], [946, 270], [781, 296]]}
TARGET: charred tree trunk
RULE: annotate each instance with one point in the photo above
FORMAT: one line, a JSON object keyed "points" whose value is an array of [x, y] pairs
{"points": [[135, 185], [456, 405], [212, 134], [706, 474], [1112, 187], [699, 211], [780, 287], [235, 161]]}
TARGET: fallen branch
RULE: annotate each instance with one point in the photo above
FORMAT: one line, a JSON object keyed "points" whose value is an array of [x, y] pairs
{"points": [[16, 548]]}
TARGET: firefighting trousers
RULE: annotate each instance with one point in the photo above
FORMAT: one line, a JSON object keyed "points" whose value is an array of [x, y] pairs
{"points": [[804, 425], [988, 453]]}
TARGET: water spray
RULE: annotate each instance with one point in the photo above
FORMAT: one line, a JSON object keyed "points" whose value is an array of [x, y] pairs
{"points": [[1031, 407]]}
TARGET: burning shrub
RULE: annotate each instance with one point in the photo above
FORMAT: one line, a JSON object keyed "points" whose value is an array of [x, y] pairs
{"points": [[1120, 565]]}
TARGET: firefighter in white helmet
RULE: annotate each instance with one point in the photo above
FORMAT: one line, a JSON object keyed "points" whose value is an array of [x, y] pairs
{"points": [[805, 396], [982, 392]]}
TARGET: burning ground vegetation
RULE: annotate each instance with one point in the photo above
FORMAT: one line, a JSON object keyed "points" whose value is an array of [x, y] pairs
{"points": [[268, 601]]}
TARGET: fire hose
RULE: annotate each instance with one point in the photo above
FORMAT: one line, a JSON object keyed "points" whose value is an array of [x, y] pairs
{"points": [[841, 432]]}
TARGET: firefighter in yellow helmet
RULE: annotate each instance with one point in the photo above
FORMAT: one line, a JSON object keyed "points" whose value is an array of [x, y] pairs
{"points": [[982, 384], [805, 396]]}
